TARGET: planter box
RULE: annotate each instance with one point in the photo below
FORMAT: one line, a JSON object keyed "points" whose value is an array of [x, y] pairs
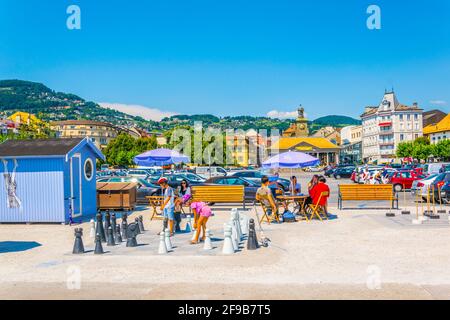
{"points": [[116, 196]]}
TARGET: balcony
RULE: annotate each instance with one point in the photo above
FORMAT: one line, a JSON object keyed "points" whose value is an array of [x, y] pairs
{"points": [[385, 132], [386, 143]]}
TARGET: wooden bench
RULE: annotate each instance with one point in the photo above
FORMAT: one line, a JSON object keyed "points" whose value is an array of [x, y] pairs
{"points": [[367, 192], [219, 194]]}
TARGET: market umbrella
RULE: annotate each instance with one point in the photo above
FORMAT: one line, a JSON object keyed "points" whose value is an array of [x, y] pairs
{"points": [[291, 159], [160, 157]]}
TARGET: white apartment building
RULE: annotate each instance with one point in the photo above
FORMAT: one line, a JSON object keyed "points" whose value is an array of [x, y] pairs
{"points": [[386, 125]]}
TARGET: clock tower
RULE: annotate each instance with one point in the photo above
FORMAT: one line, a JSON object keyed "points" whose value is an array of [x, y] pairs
{"points": [[301, 124]]}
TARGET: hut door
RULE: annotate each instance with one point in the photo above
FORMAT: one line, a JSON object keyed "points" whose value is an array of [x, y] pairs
{"points": [[75, 185]]}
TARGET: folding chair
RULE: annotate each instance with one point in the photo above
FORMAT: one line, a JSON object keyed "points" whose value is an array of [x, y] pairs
{"points": [[317, 209], [155, 202], [266, 216]]}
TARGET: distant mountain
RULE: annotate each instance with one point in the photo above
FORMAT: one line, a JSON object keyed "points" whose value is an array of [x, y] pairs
{"points": [[336, 121], [49, 105]]}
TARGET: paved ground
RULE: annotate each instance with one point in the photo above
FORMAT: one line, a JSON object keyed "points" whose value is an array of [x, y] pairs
{"points": [[362, 254]]}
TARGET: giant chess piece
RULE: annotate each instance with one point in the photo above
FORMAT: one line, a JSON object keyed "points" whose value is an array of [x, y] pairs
{"points": [[208, 243], [124, 228], [167, 240], [98, 245], [110, 240], [107, 221], [234, 217], [188, 224], [113, 223], [92, 233], [162, 244], [227, 243], [244, 224], [118, 236], [100, 230], [252, 241], [234, 235], [78, 247], [131, 235], [178, 222], [138, 229], [141, 223]]}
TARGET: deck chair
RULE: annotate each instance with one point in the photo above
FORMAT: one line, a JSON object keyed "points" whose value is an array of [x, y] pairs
{"points": [[317, 210]]}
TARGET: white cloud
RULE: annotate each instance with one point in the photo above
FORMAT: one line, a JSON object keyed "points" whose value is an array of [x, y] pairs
{"points": [[439, 102], [138, 110], [282, 114]]}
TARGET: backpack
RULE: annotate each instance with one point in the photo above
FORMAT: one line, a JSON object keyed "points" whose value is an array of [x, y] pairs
{"points": [[288, 216]]}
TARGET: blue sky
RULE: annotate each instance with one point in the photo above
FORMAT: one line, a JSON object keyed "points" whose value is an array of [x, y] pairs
{"points": [[232, 57]]}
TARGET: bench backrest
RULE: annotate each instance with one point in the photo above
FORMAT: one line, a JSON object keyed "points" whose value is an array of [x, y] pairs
{"points": [[218, 194], [366, 192]]}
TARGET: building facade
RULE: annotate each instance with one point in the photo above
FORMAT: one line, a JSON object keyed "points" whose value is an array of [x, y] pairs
{"points": [[351, 147], [101, 133], [438, 132], [386, 125]]}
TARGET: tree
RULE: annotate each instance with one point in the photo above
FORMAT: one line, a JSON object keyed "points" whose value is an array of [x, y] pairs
{"points": [[442, 149], [405, 149], [422, 151], [122, 150]]}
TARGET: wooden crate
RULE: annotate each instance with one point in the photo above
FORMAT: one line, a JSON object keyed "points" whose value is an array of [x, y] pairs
{"points": [[116, 195]]}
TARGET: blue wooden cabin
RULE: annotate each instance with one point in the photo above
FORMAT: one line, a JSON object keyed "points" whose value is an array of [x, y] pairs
{"points": [[44, 180]]}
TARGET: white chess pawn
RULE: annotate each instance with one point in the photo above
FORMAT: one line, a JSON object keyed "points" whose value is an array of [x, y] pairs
{"points": [[244, 224], [208, 243], [162, 244], [227, 243], [234, 236], [92, 233], [188, 224], [237, 221], [167, 240]]}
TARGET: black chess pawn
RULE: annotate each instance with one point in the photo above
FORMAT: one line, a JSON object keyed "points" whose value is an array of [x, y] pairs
{"points": [[98, 245], [118, 237], [110, 240], [107, 221], [99, 229], [78, 247], [131, 235], [252, 241], [141, 223], [138, 229], [124, 229], [114, 222]]}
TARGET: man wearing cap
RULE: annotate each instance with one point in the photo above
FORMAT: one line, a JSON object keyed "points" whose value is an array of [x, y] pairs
{"points": [[168, 204]]}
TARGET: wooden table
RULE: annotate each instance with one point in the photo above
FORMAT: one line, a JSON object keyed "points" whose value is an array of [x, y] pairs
{"points": [[155, 203], [299, 204]]}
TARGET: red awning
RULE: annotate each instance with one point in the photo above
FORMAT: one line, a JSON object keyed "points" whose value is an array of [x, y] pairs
{"points": [[385, 124]]}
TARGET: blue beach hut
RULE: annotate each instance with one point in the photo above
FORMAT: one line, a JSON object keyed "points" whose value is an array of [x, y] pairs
{"points": [[44, 180]]}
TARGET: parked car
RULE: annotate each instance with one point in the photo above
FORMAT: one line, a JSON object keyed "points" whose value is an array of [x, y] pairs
{"points": [[138, 173], [255, 175], [421, 187], [445, 193], [345, 172], [144, 188], [432, 168], [329, 172], [209, 172], [174, 179], [441, 180], [404, 179]]}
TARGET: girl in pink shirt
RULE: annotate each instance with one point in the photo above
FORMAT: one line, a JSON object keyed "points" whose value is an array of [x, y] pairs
{"points": [[201, 215]]}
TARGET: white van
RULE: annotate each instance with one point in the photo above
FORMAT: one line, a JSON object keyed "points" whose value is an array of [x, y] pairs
{"points": [[433, 168], [209, 172]]}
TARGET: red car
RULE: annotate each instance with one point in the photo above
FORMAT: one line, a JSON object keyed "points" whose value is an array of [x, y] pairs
{"points": [[404, 179]]}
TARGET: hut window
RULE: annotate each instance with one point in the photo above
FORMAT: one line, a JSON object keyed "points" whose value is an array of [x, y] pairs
{"points": [[88, 169]]}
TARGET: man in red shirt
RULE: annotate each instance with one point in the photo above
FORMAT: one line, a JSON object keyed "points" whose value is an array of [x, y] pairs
{"points": [[320, 188]]}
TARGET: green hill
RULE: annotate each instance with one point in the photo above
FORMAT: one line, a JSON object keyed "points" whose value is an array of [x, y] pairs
{"points": [[49, 105]]}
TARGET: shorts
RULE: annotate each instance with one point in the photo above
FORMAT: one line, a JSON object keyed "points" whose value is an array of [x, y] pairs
{"points": [[169, 214]]}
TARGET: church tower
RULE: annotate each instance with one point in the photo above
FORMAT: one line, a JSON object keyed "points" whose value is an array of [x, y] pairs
{"points": [[301, 124]]}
